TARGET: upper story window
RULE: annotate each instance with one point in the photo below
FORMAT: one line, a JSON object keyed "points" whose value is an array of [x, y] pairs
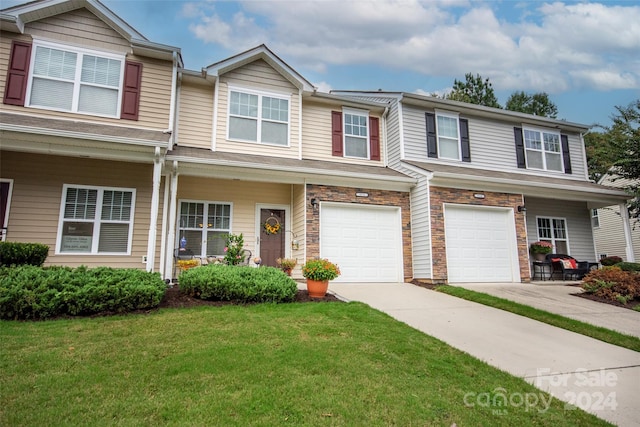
{"points": [[355, 134], [63, 78], [75, 80], [448, 136], [258, 117], [542, 150], [96, 220]]}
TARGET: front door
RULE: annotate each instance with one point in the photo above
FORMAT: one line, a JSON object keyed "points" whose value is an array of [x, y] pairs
{"points": [[5, 198], [272, 235]]}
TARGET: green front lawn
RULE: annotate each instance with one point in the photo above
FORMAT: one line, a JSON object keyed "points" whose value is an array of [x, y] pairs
{"points": [[261, 365]]}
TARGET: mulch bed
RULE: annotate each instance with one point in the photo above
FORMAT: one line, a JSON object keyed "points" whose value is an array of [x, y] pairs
{"points": [[630, 305]]}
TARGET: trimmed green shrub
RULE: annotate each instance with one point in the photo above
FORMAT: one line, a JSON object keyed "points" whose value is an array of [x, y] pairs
{"points": [[238, 283], [15, 253], [613, 284], [628, 266], [29, 292], [610, 260]]}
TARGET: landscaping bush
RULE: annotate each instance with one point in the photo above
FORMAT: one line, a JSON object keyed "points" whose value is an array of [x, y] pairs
{"points": [[238, 283], [613, 284], [15, 253], [29, 292], [610, 260], [629, 266]]}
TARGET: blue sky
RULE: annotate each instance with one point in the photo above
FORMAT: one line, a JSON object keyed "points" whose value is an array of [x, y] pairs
{"points": [[585, 55]]}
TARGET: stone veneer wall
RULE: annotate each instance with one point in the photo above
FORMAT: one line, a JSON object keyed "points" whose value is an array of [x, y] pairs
{"points": [[441, 195], [326, 193]]}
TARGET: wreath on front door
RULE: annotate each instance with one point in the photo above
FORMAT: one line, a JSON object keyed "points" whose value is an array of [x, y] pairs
{"points": [[271, 225]]}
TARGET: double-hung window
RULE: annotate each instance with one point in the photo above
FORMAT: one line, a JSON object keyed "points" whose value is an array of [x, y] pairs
{"points": [[258, 117], [543, 150], [75, 80], [205, 226], [356, 134], [448, 136], [554, 231], [96, 220]]}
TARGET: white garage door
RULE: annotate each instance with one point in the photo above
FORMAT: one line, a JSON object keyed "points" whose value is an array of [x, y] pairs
{"points": [[481, 245], [365, 241]]}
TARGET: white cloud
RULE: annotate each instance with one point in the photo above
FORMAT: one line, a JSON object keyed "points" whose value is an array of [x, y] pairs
{"points": [[549, 47]]}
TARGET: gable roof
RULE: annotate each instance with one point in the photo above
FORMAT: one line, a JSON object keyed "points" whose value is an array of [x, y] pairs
{"points": [[259, 52], [14, 19]]}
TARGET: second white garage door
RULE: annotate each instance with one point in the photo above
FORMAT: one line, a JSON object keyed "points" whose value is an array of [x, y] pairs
{"points": [[365, 241], [481, 244]]}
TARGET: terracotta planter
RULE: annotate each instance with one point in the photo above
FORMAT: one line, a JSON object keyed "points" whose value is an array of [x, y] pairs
{"points": [[287, 270], [317, 288]]}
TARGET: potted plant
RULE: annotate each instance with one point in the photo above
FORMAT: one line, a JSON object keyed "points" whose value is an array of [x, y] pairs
{"points": [[287, 264], [318, 272], [540, 249]]}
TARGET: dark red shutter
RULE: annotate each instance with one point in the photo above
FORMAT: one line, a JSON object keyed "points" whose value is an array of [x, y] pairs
{"points": [[336, 133], [15, 89], [432, 141], [517, 133], [464, 140], [564, 139], [374, 138], [131, 90]]}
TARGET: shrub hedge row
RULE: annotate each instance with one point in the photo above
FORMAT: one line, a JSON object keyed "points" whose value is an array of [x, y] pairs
{"points": [[29, 292], [14, 253], [238, 283]]}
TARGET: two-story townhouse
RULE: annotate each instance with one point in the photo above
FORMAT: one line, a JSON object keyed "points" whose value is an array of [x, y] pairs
{"points": [[86, 118], [258, 147], [490, 182]]}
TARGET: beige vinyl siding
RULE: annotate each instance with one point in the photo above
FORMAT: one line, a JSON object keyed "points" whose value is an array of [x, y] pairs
{"points": [[298, 222], [257, 76], [195, 115], [610, 235], [243, 195], [420, 229], [316, 131], [37, 194], [578, 222], [492, 145], [82, 29]]}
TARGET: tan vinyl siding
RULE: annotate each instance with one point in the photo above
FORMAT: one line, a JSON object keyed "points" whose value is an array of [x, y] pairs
{"points": [[195, 115], [316, 131], [578, 222], [242, 194], [37, 194], [298, 221], [492, 145], [82, 29], [258, 75]]}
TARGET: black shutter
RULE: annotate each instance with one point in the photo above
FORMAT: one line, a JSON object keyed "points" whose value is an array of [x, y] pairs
{"points": [[517, 133], [565, 153], [432, 140], [464, 140]]}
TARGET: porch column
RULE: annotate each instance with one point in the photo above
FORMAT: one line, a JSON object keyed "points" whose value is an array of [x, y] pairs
{"points": [[153, 217], [626, 226], [171, 235]]}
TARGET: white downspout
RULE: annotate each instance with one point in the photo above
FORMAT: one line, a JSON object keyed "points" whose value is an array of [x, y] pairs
{"points": [[174, 100], [626, 226], [299, 124], [384, 144], [155, 202], [171, 235]]}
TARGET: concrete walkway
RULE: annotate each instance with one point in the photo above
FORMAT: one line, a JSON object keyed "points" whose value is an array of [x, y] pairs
{"points": [[558, 299], [600, 378]]}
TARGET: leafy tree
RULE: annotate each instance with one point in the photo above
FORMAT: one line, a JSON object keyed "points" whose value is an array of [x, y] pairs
{"points": [[600, 156], [474, 90], [538, 104]]}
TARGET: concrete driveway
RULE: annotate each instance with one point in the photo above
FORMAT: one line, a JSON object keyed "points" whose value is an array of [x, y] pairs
{"points": [[600, 378]]}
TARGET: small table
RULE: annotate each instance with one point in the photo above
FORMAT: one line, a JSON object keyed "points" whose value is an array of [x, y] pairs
{"points": [[542, 269]]}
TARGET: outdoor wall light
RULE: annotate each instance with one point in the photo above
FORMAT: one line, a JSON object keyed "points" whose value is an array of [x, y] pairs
{"points": [[295, 245], [315, 204], [521, 209]]}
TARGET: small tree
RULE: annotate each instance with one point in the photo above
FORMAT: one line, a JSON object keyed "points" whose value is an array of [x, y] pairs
{"points": [[233, 250], [538, 104], [474, 90]]}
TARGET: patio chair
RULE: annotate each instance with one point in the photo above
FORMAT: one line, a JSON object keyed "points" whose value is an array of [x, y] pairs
{"points": [[567, 267]]}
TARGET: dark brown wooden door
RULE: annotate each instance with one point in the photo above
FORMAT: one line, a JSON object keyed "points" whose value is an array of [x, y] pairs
{"points": [[4, 203], [272, 243]]}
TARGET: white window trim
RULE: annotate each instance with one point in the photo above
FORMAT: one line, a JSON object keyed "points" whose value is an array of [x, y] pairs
{"points": [[206, 204], [543, 151], [3, 232], [96, 221], [553, 239], [355, 112], [259, 119], [450, 115], [76, 83], [595, 218]]}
